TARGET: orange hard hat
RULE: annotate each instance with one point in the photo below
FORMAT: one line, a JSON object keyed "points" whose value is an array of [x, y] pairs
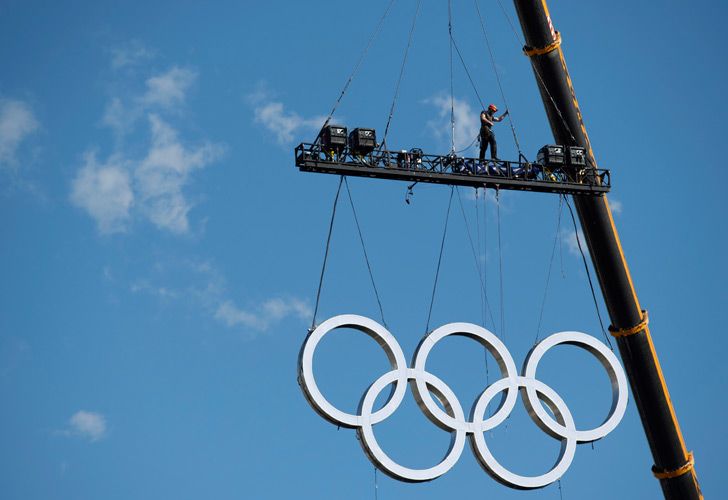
{"points": [[492, 107]]}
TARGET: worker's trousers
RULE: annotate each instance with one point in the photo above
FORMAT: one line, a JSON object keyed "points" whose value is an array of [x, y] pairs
{"points": [[488, 137]]}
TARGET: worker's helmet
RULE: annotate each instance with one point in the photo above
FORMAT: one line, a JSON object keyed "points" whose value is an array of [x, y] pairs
{"points": [[492, 108]]}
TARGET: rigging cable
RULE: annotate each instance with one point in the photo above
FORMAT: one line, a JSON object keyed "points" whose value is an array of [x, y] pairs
{"points": [[500, 268], [472, 247], [548, 274], [522, 43], [588, 274], [485, 266], [439, 260], [326, 253], [481, 271], [467, 72], [359, 61], [364, 249], [376, 485], [401, 73], [452, 94], [480, 254], [497, 78]]}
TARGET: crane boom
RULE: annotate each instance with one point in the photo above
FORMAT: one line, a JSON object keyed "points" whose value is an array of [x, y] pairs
{"points": [[674, 466]]}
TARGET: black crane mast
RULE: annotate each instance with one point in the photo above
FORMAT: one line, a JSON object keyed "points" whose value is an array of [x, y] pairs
{"points": [[674, 465]]}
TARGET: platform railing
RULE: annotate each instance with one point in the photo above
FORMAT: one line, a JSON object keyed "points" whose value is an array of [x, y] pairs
{"points": [[417, 166]]}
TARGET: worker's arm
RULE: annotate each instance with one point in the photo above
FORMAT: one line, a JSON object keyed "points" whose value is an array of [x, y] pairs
{"points": [[500, 118]]}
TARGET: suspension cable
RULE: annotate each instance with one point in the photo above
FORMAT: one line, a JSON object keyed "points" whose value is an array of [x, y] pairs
{"points": [[485, 266], [472, 247], [364, 249], [500, 268], [480, 255], [401, 72], [452, 93], [326, 253], [439, 260], [548, 274], [588, 274], [374, 34], [522, 43], [467, 71], [498, 79]]}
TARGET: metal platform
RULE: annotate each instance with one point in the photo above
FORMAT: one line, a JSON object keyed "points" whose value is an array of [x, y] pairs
{"points": [[454, 170]]}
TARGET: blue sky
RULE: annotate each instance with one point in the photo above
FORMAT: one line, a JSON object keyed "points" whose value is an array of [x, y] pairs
{"points": [[160, 253]]}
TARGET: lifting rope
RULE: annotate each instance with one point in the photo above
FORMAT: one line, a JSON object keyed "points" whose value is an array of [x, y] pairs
{"points": [[439, 261], [366, 256], [548, 273], [497, 77], [588, 274], [452, 94], [521, 42], [326, 253], [401, 73], [374, 34], [343, 180], [475, 257], [500, 270]]}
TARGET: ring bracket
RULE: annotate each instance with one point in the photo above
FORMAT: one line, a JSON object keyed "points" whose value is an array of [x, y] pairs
{"points": [[670, 474], [633, 330], [539, 51]]}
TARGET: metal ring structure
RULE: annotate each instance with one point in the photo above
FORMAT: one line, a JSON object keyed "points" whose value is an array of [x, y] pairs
{"points": [[560, 426]]}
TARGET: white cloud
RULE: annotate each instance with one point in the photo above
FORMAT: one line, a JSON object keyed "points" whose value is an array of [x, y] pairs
{"points": [[130, 54], [199, 284], [263, 316], [161, 176], [16, 123], [283, 124], [88, 424], [150, 185], [104, 191], [571, 241], [616, 206], [169, 89], [467, 121]]}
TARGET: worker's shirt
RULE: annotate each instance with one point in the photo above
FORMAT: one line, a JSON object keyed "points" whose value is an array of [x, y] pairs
{"points": [[485, 125]]}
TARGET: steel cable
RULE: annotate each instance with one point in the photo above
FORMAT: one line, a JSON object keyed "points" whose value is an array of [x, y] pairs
{"points": [[359, 61], [439, 261], [401, 73], [326, 253], [588, 274], [364, 249]]}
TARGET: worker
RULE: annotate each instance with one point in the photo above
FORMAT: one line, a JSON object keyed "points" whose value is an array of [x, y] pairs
{"points": [[487, 118]]}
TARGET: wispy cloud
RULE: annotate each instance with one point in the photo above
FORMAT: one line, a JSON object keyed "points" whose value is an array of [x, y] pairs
{"points": [[151, 186], [17, 122], [87, 424], [616, 206], [570, 237], [262, 316], [466, 120], [130, 54], [104, 191], [169, 89], [163, 173], [201, 285], [284, 125]]}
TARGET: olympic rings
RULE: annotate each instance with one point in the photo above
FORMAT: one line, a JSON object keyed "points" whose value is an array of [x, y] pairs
{"points": [[452, 418]]}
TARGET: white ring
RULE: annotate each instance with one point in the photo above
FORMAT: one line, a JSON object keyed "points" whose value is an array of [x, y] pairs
{"points": [[568, 443], [380, 458], [494, 346], [614, 370], [385, 339]]}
